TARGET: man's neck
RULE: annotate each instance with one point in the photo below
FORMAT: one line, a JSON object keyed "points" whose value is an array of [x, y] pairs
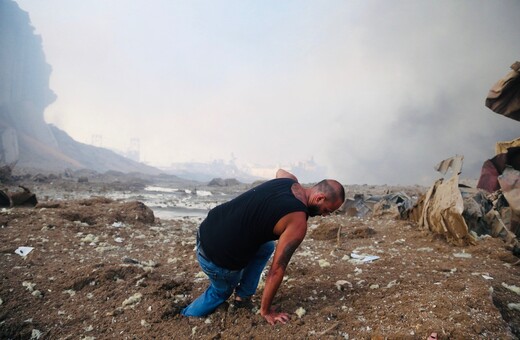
{"points": [[301, 193]]}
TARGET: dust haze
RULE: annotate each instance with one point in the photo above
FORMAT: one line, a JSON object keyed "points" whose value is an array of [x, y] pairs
{"points": [[375, 91]]}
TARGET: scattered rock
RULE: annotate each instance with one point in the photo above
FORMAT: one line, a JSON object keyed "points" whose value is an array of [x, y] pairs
{"points": [[36, 334], [300, 312], [512, 288], [340, 284], [462, 255], [136, 298], [30, 286], [514, 306], [323, 263]]}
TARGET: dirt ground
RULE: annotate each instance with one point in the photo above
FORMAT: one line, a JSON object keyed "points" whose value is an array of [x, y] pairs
{"points": [[104, 269]]}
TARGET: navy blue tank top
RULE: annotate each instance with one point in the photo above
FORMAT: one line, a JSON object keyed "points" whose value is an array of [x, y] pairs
{"points": [[232, 232]]}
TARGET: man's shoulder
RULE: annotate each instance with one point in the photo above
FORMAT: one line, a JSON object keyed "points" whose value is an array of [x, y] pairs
{"points": [[281, 173]]}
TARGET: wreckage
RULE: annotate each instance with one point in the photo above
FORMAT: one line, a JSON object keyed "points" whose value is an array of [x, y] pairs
{"points": [[463, 214], [460, 213], [397, 204]]}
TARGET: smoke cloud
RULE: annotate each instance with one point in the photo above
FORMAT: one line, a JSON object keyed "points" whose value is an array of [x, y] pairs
{"points": [[375, 91]]}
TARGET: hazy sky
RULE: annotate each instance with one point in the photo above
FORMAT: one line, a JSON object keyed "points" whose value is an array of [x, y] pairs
{"points": [[376, 91]]}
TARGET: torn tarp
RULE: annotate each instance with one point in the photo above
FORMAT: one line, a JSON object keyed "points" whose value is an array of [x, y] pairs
{"points": [[459, 212], [442, 212]]}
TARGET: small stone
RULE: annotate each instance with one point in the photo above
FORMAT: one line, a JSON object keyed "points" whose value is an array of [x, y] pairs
{"points": [[36, 334], [90, 239], [29, 285], [514, 306], [300, 312], [323, 263], [71, 292], [391, 284], [340, 284], [512, 288], [132, 299]]}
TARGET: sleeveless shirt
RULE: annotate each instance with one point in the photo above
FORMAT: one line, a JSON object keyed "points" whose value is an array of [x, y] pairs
{"points": [[232, 232]]}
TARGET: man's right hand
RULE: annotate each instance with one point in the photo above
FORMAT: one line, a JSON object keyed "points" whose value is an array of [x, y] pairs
{"points": [[272, 316]]}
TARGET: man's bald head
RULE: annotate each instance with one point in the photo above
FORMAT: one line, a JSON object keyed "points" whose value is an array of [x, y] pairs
{"points": [[332, 189]]}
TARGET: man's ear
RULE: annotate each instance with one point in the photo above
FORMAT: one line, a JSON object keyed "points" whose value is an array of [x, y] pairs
{"points": [[320, 197]]}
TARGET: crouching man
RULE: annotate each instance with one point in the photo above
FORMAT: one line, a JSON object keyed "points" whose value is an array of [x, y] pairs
{"points": [[236, 240]]}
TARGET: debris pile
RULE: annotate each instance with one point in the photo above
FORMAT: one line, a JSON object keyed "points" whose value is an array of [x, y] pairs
{"points": [[397, 205], [463, 214], [17, 198]]}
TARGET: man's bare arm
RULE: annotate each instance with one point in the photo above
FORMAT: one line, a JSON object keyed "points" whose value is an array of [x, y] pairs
{"points": [[289, 240], [281, 173]]}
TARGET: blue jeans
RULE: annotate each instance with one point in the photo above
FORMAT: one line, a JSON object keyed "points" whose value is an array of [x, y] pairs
{"points": [[224, 281]]}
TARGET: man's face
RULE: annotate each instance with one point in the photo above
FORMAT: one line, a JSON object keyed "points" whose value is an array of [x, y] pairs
{"points": [[323, 208]]}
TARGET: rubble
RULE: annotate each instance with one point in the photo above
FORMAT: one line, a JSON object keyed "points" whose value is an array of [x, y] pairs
{"points": [[397, 205], [461, 213], [416, 281], [23, 198]]}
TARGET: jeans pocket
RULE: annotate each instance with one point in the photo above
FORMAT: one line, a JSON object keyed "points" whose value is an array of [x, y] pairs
{"points": [[207, 267]]}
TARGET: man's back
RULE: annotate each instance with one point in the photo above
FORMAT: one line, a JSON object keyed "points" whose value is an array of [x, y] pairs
{"points": [[233, 231]]}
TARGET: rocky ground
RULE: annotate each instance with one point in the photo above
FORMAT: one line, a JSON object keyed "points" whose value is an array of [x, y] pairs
{"points": [[104, 269]]}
